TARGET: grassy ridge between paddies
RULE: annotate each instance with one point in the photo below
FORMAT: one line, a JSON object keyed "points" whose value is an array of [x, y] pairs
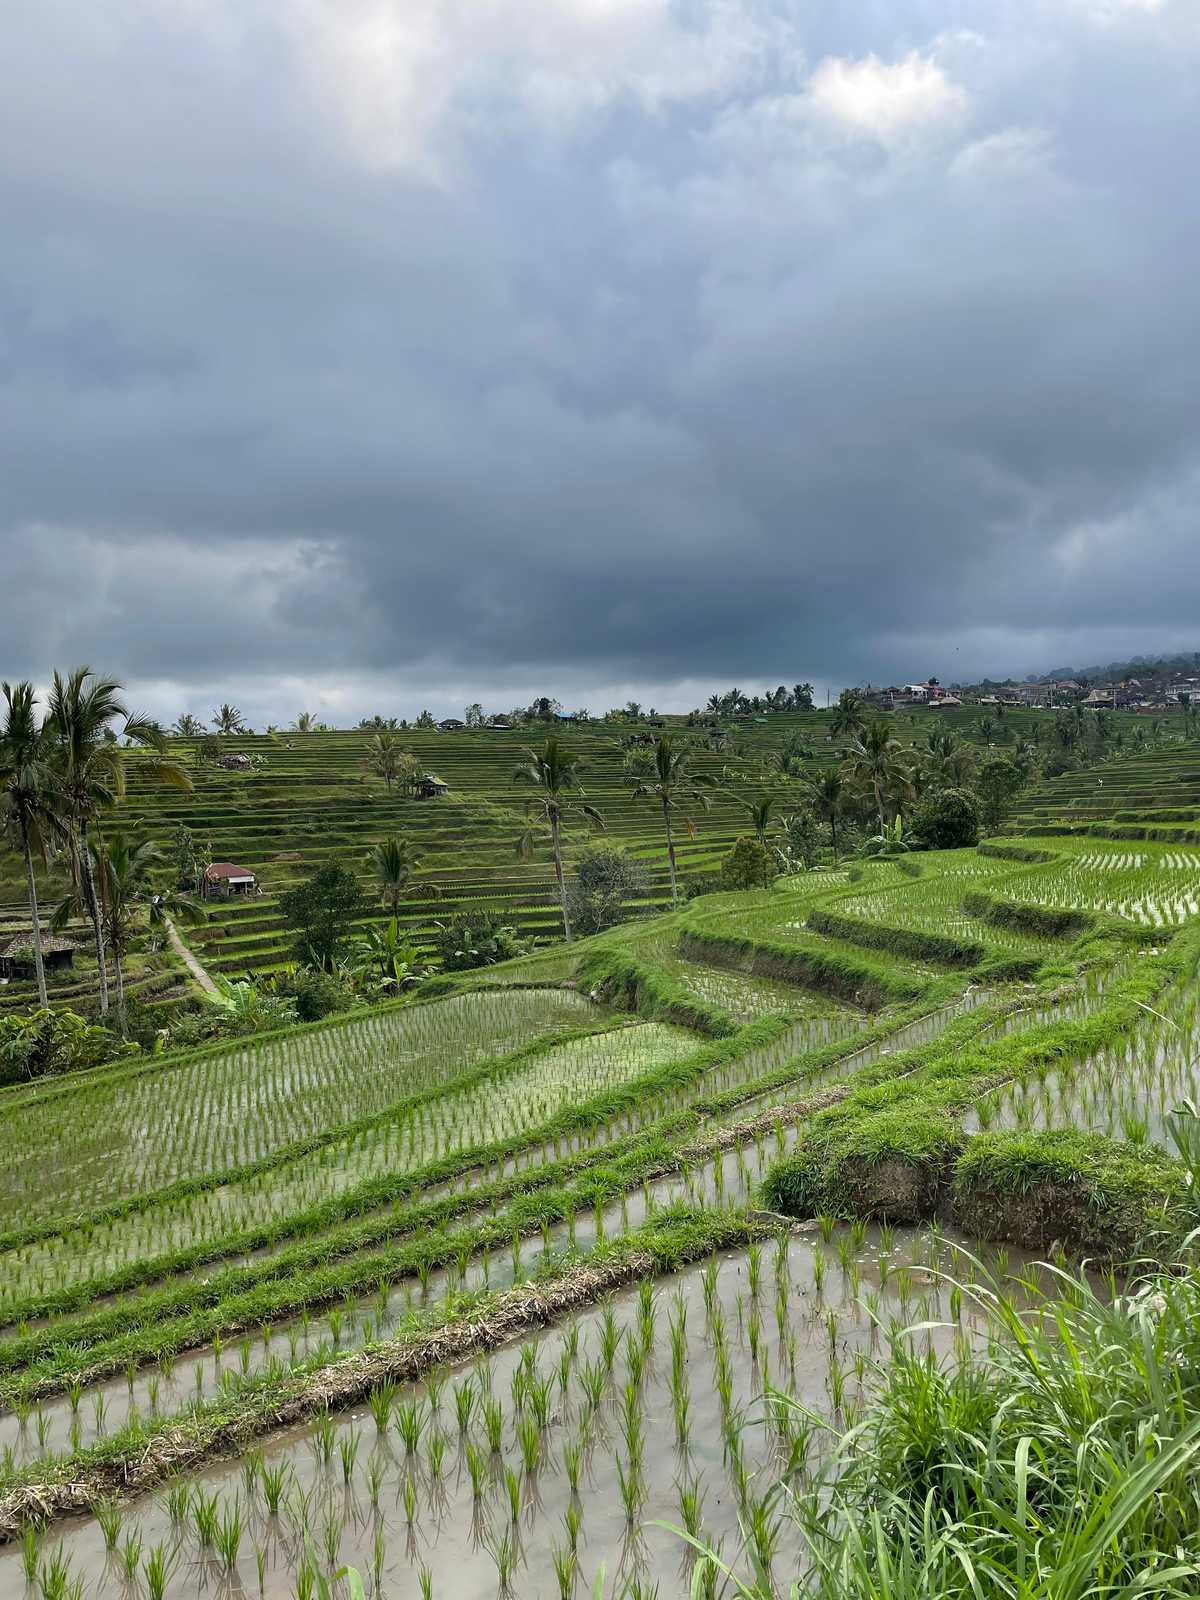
{"points": [[894, 1149], [1016, 852], [143, 1453], [1063, 922], [915, 943], [177, 1316], [866, 983]]}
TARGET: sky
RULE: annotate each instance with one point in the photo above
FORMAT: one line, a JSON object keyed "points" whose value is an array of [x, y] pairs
{"points": [[361, 355]]}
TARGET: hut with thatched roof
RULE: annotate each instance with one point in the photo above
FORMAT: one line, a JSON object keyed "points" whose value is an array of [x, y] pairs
{"points": [[17, 963]]}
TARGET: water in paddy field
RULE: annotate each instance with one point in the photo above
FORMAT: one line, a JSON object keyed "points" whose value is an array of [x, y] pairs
{"points": [[99, 1408], [1127, 1090], [489, 1472], [506, 1104], [72, 1146], [69, 1422], [95, 1410]]}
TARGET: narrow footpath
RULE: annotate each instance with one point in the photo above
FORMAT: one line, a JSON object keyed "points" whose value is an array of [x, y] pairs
{"points": [[175, 940]]}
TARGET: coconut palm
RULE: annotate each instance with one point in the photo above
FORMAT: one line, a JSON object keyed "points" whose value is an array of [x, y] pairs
{"points": [[553, 772], [876, 761], [89, 767], [670, 784], [228, 719], [759, 812], [392, 865], [946, 761], [849, 715], [304, 723], [388, 760], [188, 726], [27, 794], [828, 793]]}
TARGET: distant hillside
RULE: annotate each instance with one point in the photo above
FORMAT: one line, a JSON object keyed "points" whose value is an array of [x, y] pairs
{"points": [[1153, 668]]}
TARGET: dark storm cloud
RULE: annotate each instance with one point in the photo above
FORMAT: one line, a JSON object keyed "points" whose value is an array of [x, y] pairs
{"points": [[387, 352]]}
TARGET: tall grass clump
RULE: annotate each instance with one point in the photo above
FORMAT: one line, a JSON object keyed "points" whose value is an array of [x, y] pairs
{"points": [[1058, 1461]]}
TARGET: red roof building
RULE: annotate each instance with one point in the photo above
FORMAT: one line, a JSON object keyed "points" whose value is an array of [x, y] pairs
{"points": [[223, 879]]}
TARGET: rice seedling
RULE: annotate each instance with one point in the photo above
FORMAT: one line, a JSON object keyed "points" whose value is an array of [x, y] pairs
{"points": [[230, 1528], [348, 1446]]}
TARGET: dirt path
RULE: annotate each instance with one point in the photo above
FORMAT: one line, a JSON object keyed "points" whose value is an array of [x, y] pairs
{"points": [[189, 960]]}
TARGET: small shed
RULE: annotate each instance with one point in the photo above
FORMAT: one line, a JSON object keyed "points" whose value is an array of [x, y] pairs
{"points": [[451, 724], [223, 880], [500, 724], [236, 763], [430, 787], [17, 962]]}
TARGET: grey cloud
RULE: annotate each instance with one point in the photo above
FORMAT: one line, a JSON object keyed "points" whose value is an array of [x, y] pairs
{"points": [[615, 365]]}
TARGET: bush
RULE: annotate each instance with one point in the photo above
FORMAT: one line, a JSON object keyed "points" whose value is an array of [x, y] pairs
{"points": [[476, 939], [701, 883], [749, 865], [605, 879], [316, 994], [948, 820], [43, 1044]]}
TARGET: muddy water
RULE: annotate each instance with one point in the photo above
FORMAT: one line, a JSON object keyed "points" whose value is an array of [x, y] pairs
{"points": [[802, 1317], [1128, 1090]]}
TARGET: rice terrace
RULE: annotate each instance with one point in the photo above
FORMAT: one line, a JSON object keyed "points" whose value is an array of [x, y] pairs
{"points": [[600, 800], [835, 1176]]}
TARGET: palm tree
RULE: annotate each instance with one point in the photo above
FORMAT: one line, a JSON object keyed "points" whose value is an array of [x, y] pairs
{"points": [[670, 783], [946, 760], [759, 812], [89, 767], [124, 872], [552, 771], [26, 786], [848, 715], [392, 864], [188, 726], [387, 760], [876, 761], [828, 792], [304, 723], [228, 719]]}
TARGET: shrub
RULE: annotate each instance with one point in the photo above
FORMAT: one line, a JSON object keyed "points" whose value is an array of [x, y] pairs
{"points": [[475, 939], [947, 820], [316, 994], [802, 838], [322, 910], [749, 865], [42, 1044]]}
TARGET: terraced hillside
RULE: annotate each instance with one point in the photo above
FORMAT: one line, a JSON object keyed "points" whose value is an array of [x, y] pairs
{"points": [[308, 797], [1153, 794], [475, 1291]]}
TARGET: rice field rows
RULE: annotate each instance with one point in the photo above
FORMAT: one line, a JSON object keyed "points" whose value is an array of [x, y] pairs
{"points": [[69, 1148], [194, 1254], [532, 1470]]}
